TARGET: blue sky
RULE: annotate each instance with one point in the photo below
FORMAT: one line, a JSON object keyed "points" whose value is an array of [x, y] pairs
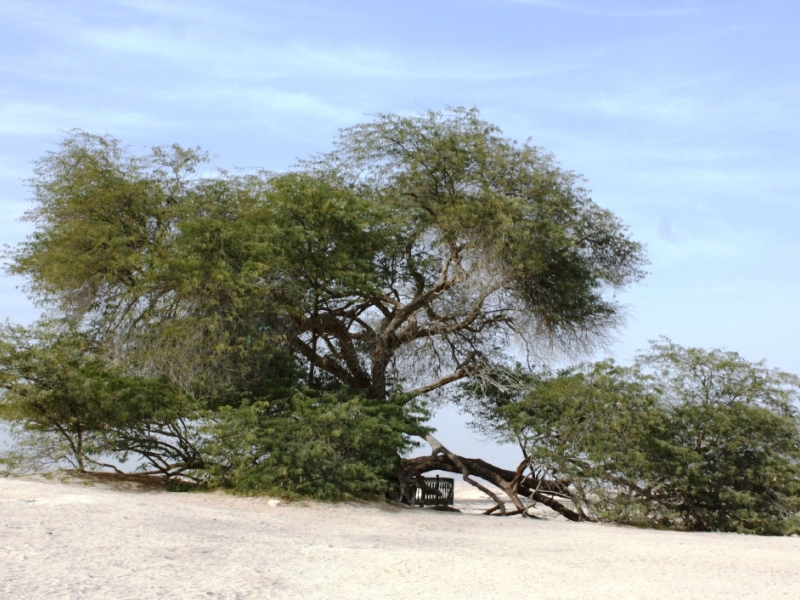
{"points": [[684, 116]]}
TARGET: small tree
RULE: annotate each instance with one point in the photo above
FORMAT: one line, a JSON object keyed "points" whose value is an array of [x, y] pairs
{"points": [[686, 438], [70, 404]]}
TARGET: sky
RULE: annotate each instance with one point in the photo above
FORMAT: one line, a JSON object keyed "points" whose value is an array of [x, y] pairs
{"points": [[683, 116]]}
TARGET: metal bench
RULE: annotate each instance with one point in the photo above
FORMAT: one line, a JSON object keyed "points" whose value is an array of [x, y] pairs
{"points": [[439, 492]]}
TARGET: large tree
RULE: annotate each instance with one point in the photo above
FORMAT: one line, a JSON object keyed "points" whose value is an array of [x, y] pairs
{"points": [[420, 252]]}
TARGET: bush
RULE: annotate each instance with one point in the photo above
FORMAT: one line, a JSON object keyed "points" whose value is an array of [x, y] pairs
{"points": [[322, 445]]}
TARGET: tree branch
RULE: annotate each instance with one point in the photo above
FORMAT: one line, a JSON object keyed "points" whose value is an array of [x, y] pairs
{"points": [[454, 376]]}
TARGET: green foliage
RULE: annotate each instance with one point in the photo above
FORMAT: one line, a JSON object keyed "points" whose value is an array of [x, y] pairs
{"points": [[68, 402], [323, 445], [482, 195], [431, 237], [268, 331], [735, 429], [686, 438], [401, 262]]}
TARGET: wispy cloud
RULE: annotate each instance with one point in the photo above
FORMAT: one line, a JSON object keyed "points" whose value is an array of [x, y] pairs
{"points": [[43, 119], [184, 11], [204, 40], [33, 119], [713, 101], [611, 9], [250, 59], [248, 102]]}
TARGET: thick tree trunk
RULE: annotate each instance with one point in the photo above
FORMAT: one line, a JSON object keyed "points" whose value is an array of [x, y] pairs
{"points": [[511, 483]]}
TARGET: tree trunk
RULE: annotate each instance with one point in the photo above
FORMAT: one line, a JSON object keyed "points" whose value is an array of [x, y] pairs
{"points": [[511, 482]]}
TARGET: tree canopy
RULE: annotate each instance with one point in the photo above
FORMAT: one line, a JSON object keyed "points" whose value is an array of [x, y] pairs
{"points": [[404, 260]]}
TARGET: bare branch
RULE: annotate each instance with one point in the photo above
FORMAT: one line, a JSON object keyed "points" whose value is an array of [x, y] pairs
{"points": [[454, 376]]}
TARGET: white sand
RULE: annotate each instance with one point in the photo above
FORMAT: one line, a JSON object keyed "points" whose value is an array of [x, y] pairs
{"points": [[72, 540]]}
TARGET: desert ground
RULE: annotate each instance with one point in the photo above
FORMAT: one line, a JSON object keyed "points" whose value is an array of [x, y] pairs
{"points": [[95, 539]]}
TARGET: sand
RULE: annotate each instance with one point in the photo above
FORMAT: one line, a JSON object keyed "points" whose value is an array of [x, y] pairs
{"points": [[73, 540]]}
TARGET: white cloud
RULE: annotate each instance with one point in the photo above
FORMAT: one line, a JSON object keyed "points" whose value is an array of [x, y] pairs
{"points": [[264, 100], [35, 119], [205, 39], [250, 59], [170, 110], [185, 11], [609, 9]]}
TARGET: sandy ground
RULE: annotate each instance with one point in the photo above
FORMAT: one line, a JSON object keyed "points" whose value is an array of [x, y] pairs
{"points": [[72, 540]]}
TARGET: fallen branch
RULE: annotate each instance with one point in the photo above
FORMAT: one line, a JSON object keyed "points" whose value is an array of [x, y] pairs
{"points": [[511, 482]]}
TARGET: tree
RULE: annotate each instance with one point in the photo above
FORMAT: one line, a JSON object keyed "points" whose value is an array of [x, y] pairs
{"points": [[70, 404], [417, 254], [686, 438]]}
